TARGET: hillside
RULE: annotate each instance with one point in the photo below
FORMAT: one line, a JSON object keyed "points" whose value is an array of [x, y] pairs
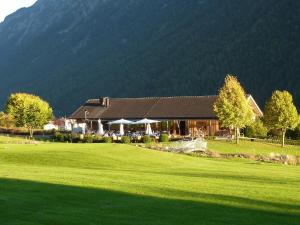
{"points": [[68, 51]]}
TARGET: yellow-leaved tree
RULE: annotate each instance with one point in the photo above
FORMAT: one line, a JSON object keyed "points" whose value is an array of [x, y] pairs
{"points": [[29, 111], [232, 106], [281, 113]]}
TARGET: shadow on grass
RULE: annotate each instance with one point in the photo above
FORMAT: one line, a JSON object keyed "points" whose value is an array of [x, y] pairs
{"points": [[32, 203]]}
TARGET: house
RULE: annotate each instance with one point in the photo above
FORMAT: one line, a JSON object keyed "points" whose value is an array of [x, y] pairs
{"points": [[181, 115], [61, 124]]}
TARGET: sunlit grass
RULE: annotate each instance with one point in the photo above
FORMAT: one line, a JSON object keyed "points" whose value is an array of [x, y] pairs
{"points": [[123, 184], [255, 148]]}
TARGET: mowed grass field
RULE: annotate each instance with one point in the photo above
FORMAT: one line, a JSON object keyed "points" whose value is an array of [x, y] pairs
{"points": [[254, 148], [112, 184]]}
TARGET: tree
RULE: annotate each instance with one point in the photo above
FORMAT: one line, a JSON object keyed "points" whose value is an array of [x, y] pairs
{"points": [[29, 111], [232, 106], [6, 120], [281, 113], [256, 129]]}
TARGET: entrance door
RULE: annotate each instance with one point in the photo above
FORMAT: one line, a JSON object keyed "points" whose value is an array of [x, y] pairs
{"points": [[182, 125]]}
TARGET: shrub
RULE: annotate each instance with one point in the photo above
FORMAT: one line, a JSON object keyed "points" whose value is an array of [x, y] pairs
{"points": [[68, 138], [125, 140], [75, 138], [146, 139], [98, 139], [257, 129], [107, 140], [88, 138], [164, 138], [59, 137]]}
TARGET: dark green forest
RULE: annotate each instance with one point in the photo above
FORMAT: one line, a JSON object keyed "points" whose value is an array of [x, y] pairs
{"points": [[69, 51]]}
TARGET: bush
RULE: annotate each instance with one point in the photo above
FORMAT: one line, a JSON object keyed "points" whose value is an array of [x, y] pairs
{"points": [[146, 139], [75, 138], [107, 140], [88, 138], [59, 137], [125, 140], [164, 138], [257, 129], [68, 138], [97, 139]]}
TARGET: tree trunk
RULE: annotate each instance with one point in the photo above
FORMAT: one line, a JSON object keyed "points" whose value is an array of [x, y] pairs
{"points": [[236, 135], [283, 138], [31, 132]]}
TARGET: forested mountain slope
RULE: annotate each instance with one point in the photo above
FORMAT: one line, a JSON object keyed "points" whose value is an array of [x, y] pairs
{"points": [[68, 51]]}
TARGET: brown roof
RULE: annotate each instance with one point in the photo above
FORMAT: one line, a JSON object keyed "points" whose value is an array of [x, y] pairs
{"points": [[184, 107]]}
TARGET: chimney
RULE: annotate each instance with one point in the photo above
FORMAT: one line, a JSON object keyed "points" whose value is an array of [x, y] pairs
{"points": [[104, 101]]}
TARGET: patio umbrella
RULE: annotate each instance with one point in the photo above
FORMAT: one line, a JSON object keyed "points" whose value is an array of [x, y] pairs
{"points": [[146, 121], [148, 129], [121, 121], [100, 128], [122, 129]]}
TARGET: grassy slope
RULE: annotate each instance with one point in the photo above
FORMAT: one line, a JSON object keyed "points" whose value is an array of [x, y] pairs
{"points": [[120, 184], [255, 148]]}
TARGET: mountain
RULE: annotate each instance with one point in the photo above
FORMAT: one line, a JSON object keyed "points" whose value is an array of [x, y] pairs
{"points": [[68, 51]]}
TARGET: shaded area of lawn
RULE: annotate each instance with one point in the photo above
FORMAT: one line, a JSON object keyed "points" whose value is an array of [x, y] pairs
{"points": [[249, 147], [34, 203], [123, 184]]}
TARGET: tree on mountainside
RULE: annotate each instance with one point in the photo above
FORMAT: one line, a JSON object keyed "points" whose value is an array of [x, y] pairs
{"points": [[281, 113], [232, 106], [29, 111]]}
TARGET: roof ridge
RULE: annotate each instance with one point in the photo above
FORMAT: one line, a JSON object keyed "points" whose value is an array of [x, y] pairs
{"points": [[160, 97]]}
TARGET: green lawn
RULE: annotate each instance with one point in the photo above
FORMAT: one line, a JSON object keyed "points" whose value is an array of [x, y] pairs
{"points": [[254, 148], [110, 184], [5, 139]]}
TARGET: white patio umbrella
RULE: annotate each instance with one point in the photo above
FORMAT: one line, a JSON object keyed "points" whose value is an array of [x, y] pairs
{"points": [[146, 121], [100, 128], [148, 129], [121, 122], [122, 129]]}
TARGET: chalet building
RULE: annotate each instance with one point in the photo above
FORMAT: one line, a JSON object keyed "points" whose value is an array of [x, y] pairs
{"points": [[184, 115]]}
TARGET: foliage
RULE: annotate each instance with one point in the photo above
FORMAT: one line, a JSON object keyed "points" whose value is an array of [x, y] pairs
{"points": [[281, 113], [164, 138], [232, 107], [59, 137], [7, 120], [125, 140], [294, 134], [260, 47], [146, 139], [107, 140], [88, 138], [256, 129], [29, 111]]}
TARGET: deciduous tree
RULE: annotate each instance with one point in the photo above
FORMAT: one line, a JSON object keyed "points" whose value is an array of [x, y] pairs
{"points": [[6, 120], [232, 106], [281, 113], [29, 111]]}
